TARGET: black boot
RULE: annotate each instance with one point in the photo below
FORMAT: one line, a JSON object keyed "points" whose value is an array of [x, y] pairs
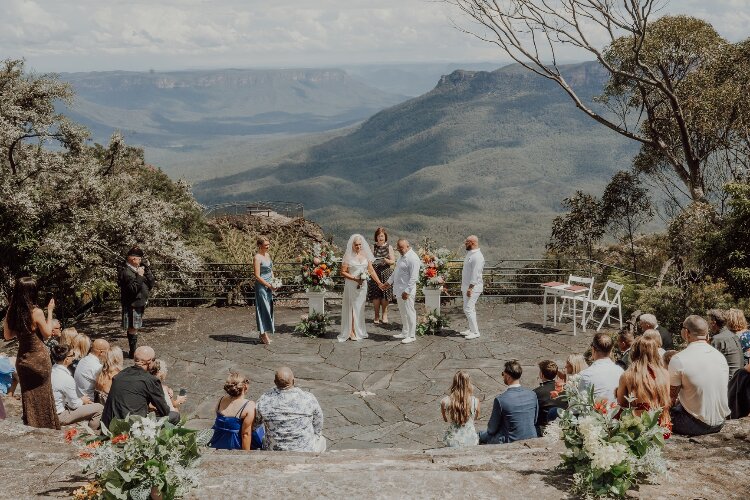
{"points": [[132, 343]]}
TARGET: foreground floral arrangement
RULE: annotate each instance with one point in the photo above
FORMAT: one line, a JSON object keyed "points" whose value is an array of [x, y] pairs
{"points": [[314, 325], [432, 323], [434, 268], [608, 455], [318, 264], [140, 458]]}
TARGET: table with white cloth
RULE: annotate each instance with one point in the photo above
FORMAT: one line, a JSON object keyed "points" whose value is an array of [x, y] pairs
{"points": [[576, 293]]}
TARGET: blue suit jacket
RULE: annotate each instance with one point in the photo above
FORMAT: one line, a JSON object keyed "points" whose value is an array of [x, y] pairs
{"points": [[514, 414]]}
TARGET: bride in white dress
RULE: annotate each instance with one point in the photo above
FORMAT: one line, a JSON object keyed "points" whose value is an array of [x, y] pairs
{"points": [[355, 266]]}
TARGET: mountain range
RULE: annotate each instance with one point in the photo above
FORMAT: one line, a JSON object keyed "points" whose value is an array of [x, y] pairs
{"points": [[491, 153]]}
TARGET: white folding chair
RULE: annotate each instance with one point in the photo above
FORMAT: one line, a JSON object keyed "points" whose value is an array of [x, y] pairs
{"points": [[566, 299], [608, 299]]}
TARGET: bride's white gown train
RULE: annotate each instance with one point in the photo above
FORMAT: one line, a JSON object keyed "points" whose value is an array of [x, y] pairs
{"points": [[353, 304]]}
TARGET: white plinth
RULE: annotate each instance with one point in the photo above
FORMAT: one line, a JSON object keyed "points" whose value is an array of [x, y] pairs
{"points": [[432, 299], [316, 302]]}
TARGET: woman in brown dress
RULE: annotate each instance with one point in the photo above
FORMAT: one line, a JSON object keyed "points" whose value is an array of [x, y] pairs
{"points": [[384, 259], [26, 321]]}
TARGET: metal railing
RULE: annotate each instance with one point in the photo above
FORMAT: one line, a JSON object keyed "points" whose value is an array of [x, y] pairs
{"points": [[285, 208]]}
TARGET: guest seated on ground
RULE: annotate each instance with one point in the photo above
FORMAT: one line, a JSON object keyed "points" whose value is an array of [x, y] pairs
{"points": [[514, 412], [603, 374], [737, 324], [646, 380], [698, 377], [648, 322], [235, 416], [80, 347], [134, 388], [159, 370], [89, 367], [8, 376], [70, 407], [67, 336], [575, 364], [460, 408], [739, 393], [668, 355], [625, 339], [292, 417], [111, 366], [654, 334], [54, 339], [544, 393], [723, 340]]}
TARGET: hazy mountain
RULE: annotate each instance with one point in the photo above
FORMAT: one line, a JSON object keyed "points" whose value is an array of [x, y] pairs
{"points": [[485, 152]]}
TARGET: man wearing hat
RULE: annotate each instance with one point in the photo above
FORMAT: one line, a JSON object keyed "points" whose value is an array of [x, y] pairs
{"points": [[136, 281]]}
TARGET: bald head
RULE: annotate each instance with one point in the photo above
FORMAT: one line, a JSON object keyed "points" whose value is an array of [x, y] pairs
{"points": [[144, 356], [403, 245], [284, 378], [100, 348], [471, 242], [696, 326]]}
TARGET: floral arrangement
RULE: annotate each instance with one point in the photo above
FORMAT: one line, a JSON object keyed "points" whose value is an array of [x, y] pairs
{"points": [[609, 449], [140, 458], [434, 268], [276, 283], [317, 266], [314, 325], [432, 323], [364, 276]]}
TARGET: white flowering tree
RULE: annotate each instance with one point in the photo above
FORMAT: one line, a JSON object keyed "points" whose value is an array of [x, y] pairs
{"points": [[69, 210]]}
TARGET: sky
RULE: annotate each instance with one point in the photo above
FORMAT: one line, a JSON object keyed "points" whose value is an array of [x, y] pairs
{"points": [[99, 35]]}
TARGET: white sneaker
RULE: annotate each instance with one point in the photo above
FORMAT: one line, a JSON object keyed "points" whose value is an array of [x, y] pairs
{"points": [[465, 333], [399, 336], [472, 336], [408, 340]]}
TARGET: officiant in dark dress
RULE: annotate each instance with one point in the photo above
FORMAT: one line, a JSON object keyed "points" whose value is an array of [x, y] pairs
{"points": [[384, 259], [136, 281]]}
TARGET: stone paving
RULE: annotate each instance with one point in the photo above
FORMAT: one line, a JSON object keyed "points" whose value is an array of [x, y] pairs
{"points": [[375, 393]]}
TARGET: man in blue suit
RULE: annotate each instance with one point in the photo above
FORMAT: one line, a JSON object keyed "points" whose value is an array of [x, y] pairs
{"points": [[514, 412]]}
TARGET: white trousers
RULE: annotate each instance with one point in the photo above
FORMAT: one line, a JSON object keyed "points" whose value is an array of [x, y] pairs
{"points": [[470, 309], [408, 315]]}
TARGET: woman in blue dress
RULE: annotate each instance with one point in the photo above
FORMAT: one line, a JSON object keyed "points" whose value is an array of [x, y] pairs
{"points": [[263, 266], [233, 427]]}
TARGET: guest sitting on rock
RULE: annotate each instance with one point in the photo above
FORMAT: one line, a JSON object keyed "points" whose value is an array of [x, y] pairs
{"points": [[645, 384], [546, 394], [698, 377], [624, 340], [54, 339], [514, 412], [648, 322], [575, 363], [603, 374], [89, 367], [111, 366], [70, 407], [292, 417], [656, 336], [235, 416], [460, 408], [8, 377], [737, 324], [724, 340], [159, 370], [81, 346], [67, 336], [134, 389]]}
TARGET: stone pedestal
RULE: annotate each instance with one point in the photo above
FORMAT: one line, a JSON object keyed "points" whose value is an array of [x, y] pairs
{"points": [[432, 299], [316, 302]]}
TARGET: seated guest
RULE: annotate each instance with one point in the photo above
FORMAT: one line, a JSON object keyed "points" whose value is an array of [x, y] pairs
{"points": [[698, 377], [648, 322], [159, 370], [460, 408], [89, 367], [737, 324], [8, 377], [724, 341], [134, 389], [54, 339], [514, 412], [67, 336], [235, 416], [624, 340], [646, 380], [70, 407], [739, 393], [547, 373], [111, 366], [668, 355], [654, 334], [603, 374], [81, 346], [292, 417], [575, 364]]}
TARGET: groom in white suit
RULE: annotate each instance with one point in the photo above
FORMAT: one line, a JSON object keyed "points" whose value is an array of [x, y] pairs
{"points": [[404, 282]]}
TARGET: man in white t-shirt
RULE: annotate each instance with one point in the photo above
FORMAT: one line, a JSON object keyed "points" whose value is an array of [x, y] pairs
{"points": [[603, 374], [698, 377], [472, 284]]}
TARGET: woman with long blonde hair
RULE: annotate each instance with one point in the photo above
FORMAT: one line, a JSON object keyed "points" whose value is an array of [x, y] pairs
{"points": [[112, 365], [460, 408], [737, 323], [80, 347], [646, 380]]}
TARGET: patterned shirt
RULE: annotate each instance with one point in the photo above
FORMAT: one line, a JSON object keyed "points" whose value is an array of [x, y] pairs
{"points": [[745, 343], [292, 417]]}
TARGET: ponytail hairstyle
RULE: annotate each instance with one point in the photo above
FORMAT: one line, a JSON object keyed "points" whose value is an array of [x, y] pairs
{"points": [[460, 399]]}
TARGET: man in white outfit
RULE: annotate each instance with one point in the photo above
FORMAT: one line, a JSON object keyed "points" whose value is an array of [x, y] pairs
{"points": [[404, 282], [472, 284]]}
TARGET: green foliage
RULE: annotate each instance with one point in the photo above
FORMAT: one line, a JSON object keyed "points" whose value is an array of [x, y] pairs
{"points": [[580, 228], [314, 325]]}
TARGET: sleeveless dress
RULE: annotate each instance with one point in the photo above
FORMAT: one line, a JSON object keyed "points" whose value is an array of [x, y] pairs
{"points": [[34, 370], [353, 305], [383, 271], [462, 435], [227, 432], [264, 299]]}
